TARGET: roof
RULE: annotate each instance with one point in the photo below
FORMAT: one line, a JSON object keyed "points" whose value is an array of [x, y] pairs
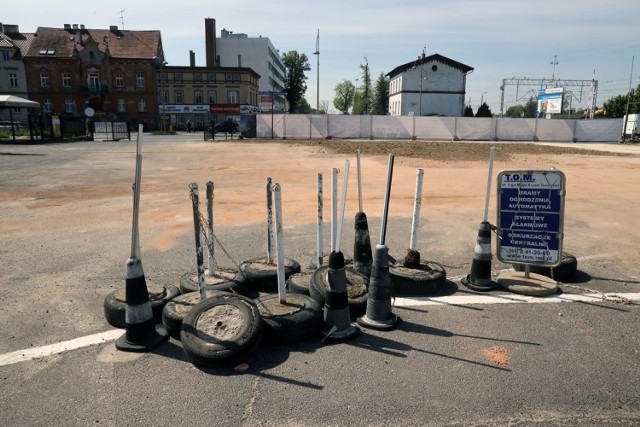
{"points": [[427, 59], [125, 44], [20, 41]]}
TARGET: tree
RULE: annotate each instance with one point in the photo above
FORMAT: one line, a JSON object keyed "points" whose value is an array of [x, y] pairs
{"points": [[344, 96], [617, 106], [380, 101], [295, 82], [324, 107], [484, 111], [531, 108], [468, 111], [515, 111], [362, 97]]}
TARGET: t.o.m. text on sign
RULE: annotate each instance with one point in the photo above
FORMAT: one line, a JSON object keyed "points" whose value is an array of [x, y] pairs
{"points": [[530, 216]]}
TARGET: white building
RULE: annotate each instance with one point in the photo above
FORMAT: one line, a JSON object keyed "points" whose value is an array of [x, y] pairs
{"points": [[429, 86], [257, 53]]}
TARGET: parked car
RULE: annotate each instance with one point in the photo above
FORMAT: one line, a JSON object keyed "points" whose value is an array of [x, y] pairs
{"points": [[6, 125], [227, 127]]}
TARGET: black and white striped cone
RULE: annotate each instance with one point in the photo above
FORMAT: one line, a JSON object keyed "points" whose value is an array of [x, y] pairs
{"points": [[337, 321], [480, 277], [141, 334], [378, 314], [362, 259]]}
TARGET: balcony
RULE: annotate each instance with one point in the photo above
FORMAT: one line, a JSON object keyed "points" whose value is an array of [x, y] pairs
{"points": [[95, 89]]}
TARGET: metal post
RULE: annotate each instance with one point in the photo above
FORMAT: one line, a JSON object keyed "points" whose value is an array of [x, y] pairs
{"points": [[135, 235], [195, 199], [212, 260], [269, 223], [417, 203], [320, 231], [334, 207], [385, 210], [359, 180], [279, 244], [492, 154], [343, 202]]}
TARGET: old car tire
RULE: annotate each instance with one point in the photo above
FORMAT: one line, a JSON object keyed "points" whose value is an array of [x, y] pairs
{"points": [[426, 279], [177, 309], [220, 281], [298, 283], [115, 303], [261, 276], [221, 331], [357, 289], [299, 319]]}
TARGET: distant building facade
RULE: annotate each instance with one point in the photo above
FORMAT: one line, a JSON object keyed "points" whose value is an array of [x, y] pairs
{"points": [[13, 80], [258, 53], [429, 86], [104, 74]]}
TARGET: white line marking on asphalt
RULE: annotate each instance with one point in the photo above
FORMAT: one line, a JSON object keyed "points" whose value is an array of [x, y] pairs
{"points": [[38, 352], [48, 350], [507, 299]]}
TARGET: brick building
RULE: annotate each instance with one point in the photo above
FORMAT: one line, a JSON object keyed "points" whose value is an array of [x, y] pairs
{"points": [[110, 74]]}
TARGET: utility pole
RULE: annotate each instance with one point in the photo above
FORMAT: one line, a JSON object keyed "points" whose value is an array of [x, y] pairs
{"points": [[554, 63]]}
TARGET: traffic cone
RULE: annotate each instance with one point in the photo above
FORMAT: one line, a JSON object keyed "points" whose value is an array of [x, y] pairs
{"points": [[141, 334], [480, 277], [362, 259], [337, 321], [378, 314]]}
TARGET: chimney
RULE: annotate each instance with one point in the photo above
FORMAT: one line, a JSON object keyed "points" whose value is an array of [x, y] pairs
{"points": [[67, 27], [192, 58], [210, 41]]}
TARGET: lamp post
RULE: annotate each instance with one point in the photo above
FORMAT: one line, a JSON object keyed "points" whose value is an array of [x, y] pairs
{"points": [[160, 95], [317, 53]]}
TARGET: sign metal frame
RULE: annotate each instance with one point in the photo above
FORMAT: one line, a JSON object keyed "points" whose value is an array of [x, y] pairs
{"points": [[530, 223]]}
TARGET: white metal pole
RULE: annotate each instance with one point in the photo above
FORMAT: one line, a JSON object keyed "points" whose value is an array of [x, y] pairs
{"points": [[212, 260], [269, 223], [135, 235], [279, 243], [320, 231], [343, 202], [334, 207], [492, 154], [417, 203]]}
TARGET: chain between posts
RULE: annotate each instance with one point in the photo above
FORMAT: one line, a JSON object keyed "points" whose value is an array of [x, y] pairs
{"points": [[203, 226]]}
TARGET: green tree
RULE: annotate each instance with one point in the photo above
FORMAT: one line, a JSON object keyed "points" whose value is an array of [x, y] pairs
{"points": [[484, 111], [616, 106], [468, 111], [296, 80], [515, 111], [380, 101], [531, 108], [362, 97], [343, 100]]}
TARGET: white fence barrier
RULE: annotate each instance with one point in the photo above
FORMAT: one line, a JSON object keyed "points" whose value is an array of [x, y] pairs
{"points": [[313, 126]]}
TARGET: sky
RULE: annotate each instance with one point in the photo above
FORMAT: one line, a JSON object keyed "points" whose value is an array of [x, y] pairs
{"points": [[500, 39]]}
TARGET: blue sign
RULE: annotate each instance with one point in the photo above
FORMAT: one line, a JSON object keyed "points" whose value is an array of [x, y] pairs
{"points": [[531, 216]]}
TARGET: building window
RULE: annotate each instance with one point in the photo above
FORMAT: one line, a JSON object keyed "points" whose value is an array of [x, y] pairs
{"points": [[6, 55], [44, 79], [177, 77], [13, 80], [140, 80], [119, 80], [213, 97], [197, 77], [93, 81], [197, 97], [228, 77], [179, 97], [69, 106], [142, 106], [66, 79], [122, 106], [233, 96], [164, 96], [236, 77], [46, 106], [211, 77]]}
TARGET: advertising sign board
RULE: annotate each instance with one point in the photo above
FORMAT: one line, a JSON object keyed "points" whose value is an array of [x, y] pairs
{"points": [[531, 217], [550, 100]]}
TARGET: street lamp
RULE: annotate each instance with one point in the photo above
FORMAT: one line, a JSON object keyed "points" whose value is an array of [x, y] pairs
{"points": [[160, 97], [317, 53], [421, 59]]}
